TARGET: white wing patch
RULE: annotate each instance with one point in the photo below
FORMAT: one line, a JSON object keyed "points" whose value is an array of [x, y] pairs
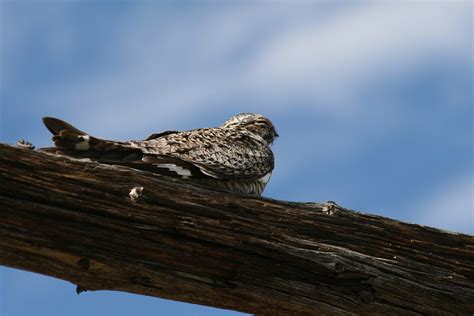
{"points": [[185, 173], [84, 145]]}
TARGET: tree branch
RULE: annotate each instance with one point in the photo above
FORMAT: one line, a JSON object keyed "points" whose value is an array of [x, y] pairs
{"points": [[77, 221]]}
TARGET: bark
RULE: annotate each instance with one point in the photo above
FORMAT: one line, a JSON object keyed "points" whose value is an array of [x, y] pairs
{"points": [[79, 221]]}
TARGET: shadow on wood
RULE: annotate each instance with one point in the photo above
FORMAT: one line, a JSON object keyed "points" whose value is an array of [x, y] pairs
{"points": [[106, 227]]}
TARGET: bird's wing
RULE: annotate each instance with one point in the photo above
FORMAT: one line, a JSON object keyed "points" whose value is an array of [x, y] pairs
{"points": [[218, 153], [213, 152]]}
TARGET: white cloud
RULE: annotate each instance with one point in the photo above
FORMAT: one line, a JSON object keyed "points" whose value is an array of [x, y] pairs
{"points": [[333, 62], [282, 58]]}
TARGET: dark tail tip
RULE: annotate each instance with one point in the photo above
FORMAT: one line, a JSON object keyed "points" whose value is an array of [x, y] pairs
{"points": [[55, 126]]}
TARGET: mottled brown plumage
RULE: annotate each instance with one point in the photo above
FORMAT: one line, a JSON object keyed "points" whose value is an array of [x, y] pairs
{"points": [[235, 156]]}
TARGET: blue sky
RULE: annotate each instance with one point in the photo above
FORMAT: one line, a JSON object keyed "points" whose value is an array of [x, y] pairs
{"points": [[373, 102]]}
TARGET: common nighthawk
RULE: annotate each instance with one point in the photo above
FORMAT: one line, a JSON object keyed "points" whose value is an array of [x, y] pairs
{"points": [[235, 156]]}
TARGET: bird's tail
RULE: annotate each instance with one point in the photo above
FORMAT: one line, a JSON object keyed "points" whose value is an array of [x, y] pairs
{"points": [[70, 141]]}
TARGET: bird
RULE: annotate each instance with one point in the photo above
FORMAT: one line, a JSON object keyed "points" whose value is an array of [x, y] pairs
{"points": [[235, 156]]}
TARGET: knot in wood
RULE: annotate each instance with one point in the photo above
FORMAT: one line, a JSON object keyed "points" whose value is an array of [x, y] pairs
{"points": [[25, 144], [136, 193], [330, 207]]}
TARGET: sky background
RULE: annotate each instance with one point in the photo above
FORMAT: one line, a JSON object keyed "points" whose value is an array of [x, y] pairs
{"points": [[373, 102]]}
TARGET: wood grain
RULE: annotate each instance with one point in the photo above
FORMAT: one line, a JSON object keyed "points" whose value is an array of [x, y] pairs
{"points": [[75, 220]]}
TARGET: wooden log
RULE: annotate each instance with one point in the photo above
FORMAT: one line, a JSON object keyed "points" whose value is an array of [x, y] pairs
{"points": [[115, 228]]}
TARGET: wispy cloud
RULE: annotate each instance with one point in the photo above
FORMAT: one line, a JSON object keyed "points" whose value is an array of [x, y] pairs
{"points": [[175, 68], [332, 63]]}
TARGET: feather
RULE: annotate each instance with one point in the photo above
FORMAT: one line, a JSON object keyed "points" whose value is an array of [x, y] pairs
{"points": [[235, 156]]}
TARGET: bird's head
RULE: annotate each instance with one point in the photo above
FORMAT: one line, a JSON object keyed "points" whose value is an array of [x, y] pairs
{"points": [[255, 123]]}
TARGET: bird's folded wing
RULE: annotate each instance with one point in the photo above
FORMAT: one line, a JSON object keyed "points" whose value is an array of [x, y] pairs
{"points": [[218, 153]]}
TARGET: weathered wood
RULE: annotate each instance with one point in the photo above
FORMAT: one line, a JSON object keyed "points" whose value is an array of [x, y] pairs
{"points": [[75, 221]]}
